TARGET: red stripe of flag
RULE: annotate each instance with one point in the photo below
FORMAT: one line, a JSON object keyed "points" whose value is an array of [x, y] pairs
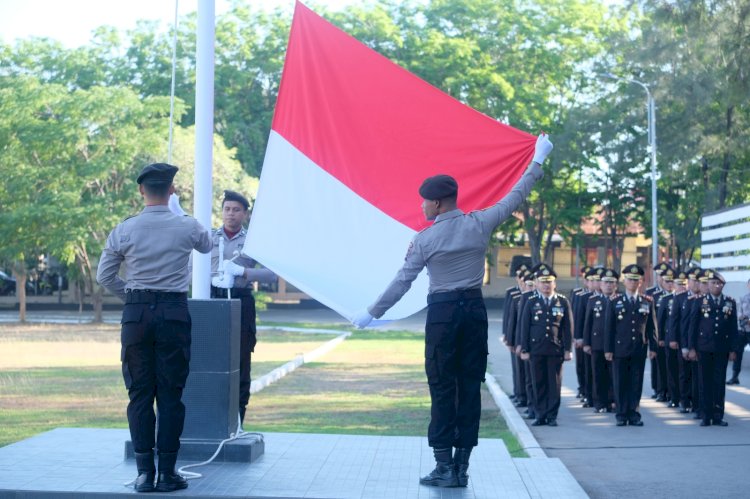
{"points": [[381, 130]]}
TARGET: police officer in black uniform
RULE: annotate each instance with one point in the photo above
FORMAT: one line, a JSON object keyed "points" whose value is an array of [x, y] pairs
{"points": [[578, 301], [453, 250], [713, 341], [593, 341], [233, 276], [676, 343], [526, 283], [664, 335], [547, 334], [658, 384], [629, 332], [507, 338], [525, 363], [155, 247], [588, 369]]}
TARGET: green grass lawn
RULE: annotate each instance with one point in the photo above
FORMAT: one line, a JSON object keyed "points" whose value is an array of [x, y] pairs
{"points": [[373, 383]]}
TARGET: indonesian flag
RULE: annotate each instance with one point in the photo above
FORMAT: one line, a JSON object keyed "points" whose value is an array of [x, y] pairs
{"points": [[353, 137]]}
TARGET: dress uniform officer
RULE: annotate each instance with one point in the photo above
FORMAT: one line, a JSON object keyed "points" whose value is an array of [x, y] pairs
{"points": [[713, 341], [532, 291], [588, 382], [579, 309], [511, 327], [677, 344], [593, 341], [629, 332], [236, 272], [686, 311], [655, 292], [453, 249], [664, 334], [510, 293], [155, 247], [547, 336]]}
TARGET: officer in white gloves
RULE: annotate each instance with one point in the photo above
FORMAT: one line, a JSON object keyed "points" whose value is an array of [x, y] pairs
{"points": [[233, 275], [453, 249]]}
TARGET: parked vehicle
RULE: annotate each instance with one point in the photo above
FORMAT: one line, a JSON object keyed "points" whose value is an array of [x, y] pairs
{"points": [[7, 284]]}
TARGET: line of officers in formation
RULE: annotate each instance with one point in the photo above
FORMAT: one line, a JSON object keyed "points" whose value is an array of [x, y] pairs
{"points": [[684, 324]]}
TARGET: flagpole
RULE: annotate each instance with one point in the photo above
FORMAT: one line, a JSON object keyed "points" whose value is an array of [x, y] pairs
{"points": [[204, 129]]}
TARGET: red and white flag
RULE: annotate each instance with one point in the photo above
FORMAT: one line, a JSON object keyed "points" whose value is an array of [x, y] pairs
{"points": [[353, 137]]}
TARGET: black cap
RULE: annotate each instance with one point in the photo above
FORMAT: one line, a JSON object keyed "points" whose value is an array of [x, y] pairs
{"points": [[610, 275], [236, 196], [633, 272], [594, 273], [157, 172], [668, 274], [439, 187], [660, 268], [545, 273], [584, 269], [712, 274]]}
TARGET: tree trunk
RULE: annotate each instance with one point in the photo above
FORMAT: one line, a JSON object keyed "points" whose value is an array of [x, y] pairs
{"points": [[726, 163], [530, 226], [97, 302], [20, 277]]}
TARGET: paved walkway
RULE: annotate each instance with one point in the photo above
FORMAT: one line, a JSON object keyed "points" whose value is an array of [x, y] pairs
{"points": [[669, 457], [73, 463], [70, 462]]}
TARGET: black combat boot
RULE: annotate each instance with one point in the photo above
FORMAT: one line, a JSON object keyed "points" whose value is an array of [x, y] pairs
{"points": [[168, 480], [444, 474], [461, 462], [144, 461]]}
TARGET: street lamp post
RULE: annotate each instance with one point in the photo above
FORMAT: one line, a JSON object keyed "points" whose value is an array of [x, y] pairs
{"points": [[652, 145]]}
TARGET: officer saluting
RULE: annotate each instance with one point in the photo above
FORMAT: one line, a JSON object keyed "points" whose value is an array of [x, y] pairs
{"points": [[453, 249], [547, 335], [629, 331], [155, 247], [713, 340]]}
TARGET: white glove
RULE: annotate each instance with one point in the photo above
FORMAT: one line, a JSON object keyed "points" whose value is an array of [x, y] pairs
{"points": [[542, 148], [362, 319], [232, 268], [174, 205], [223, 281]]}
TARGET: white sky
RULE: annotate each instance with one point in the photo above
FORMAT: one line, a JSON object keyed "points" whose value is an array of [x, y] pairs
{"points": [[72, 21]]}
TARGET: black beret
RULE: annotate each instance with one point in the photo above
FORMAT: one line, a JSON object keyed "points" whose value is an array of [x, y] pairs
{"points": [[236, 196], [157, 172], [439, 187]]}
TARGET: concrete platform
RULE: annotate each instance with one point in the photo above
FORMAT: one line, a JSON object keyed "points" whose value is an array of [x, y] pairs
{"points": [[77, 463]]}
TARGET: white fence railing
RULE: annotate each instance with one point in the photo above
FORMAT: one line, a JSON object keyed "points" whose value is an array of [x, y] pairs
{"points": [[725, 246]]}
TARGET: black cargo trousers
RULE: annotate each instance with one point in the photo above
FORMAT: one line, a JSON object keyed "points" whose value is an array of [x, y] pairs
{"points": [[248, 339], [455, 362], [155, 358]]}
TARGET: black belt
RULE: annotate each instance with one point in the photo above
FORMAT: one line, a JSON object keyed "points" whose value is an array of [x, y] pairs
{"points": [[152, 296], [236, 292], [458, 295]]}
